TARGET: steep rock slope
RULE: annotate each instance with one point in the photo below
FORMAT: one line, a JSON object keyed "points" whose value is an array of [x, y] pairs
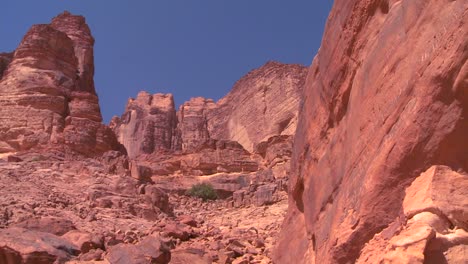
{"points": [[385, 99], [262, 104], [193, 123], [47, 92]]}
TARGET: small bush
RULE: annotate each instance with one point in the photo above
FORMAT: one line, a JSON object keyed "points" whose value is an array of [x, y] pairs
{"points": [[204, 191]]}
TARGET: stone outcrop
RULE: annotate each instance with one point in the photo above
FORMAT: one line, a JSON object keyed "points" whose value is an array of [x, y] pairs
{"points": [[148, 124], [433, 229], [193, 123], [262, 104], [149, 250], [47, 93], [34, 247], [215, 157], [385, 99]]}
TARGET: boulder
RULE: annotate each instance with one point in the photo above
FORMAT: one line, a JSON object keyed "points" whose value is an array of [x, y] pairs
{"points": [[192, 256], [435, 231], [18, 245], [52, 225], [84, 240], [158, 198], [141, 173], [150, 250], [265, 195], [177, 231]]}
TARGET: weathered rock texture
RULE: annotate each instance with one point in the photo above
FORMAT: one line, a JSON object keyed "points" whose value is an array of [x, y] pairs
{"points": [[47, 93], [103, 207], [262, 104], [148, 125], [193, 123], [433, 227], [33, 247], [385, 99]]}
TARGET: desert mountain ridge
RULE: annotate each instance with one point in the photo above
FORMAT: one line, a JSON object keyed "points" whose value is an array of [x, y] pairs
{"points": [[118, 193], [360, 158]]}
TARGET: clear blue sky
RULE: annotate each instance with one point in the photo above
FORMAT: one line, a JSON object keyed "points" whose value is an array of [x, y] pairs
{"points": [[187, 48]]}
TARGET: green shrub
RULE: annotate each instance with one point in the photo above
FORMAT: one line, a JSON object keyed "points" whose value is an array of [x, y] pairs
{"points": [[203, 190]]}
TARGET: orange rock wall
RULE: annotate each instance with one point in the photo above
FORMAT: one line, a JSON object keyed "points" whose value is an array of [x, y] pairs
{"points": [[385, 98]]}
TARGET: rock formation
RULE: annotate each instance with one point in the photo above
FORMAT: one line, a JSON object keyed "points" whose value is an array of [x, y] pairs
{"points": [[193, 123], [261, 105], [47, 91], [386, 98], [148, 125], [69, 193]]}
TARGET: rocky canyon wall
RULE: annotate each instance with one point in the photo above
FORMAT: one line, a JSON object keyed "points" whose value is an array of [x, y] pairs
{"points": [[47, 91], [148, 124], [261, 105], [381, 138]]}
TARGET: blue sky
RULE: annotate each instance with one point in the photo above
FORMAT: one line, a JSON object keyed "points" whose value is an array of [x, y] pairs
{"points": [[187, 48]]}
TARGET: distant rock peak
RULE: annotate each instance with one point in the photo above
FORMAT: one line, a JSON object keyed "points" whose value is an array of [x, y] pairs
{"points": [[47, 92], [261, 105]]}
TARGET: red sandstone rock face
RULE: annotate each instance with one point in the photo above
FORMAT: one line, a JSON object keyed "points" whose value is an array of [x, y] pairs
{"points": [[385, 99], [261, 105], [193, 123], [47, 93], [435, 207], [148, 124]]}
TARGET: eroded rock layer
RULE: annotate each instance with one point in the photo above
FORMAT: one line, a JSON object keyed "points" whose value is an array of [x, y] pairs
{"points": [[148, 125], [385, 99], [47, 92], [261, 105]]}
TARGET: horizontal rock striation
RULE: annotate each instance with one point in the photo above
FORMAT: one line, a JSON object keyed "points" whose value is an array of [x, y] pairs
{"points": [[262, 104], [47, 92], [385, 99]]}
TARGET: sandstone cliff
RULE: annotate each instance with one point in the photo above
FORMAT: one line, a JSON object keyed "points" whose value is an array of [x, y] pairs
{"points": [[47, 91], [148, 124], [261, 105], [385, 99]]}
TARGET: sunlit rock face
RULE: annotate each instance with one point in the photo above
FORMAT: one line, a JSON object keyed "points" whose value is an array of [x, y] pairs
{"points": [[47, 94], [262, 104], [148, 124], [386, 98]]}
